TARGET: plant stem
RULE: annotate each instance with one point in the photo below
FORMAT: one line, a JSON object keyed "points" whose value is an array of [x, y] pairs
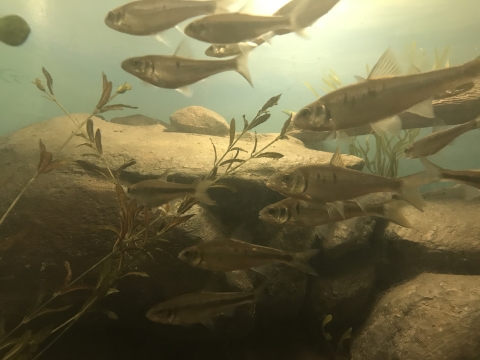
{"points": [[18, 197]]}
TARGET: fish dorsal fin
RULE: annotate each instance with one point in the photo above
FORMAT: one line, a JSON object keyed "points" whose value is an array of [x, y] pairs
{"points": [[337, 159], [413, 69], [164, 175], [425, 109], [359, 78], [183, 50], [385, 66]]}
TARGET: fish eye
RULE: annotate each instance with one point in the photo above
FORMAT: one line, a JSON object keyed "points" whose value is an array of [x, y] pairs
{"points": [[304, 113], [271, 211], [286, 178]]}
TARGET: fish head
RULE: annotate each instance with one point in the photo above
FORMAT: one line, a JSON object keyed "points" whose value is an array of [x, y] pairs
{"points": [[115, 20], [191, 255], [161, 314], [139, 66], [315, 116], [216, 50], [289, 183], [408, 152], [276, 213], [197, 30]]}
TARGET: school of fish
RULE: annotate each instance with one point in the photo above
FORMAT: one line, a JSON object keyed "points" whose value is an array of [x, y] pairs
{"points": [[317, 194]]}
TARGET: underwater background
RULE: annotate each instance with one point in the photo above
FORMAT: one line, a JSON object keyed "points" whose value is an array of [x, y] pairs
{"points": [[71, 40]]}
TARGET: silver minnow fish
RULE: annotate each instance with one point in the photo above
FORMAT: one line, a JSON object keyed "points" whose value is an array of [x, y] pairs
{"points": [[175, 72], [334, 182], [297, 212], [237, 27], [148, 17], [382, 97], [226, 50], [200, 307], [433, 143], [155, 193], [230, 255]]}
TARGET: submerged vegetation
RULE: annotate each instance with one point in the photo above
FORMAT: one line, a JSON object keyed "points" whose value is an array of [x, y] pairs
{"points": [[137, 232]]}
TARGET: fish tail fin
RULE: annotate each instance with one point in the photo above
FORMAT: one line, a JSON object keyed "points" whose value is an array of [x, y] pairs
{"points": [[301, 261], [412, 195], [412, 182], [392, 210], [201, 192], [242, 66]]}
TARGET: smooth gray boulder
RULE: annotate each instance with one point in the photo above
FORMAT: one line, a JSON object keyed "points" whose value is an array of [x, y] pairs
{"points": [[199, 120], [432, 317]]}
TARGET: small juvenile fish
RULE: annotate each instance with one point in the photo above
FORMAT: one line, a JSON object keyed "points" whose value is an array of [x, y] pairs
{"points": [[334, 182], [148, 17], [14, 30], [433, 143], [380, 98], [200, 307], [155, 193], [177, 72], [230, 255], [301, 213], [467, 177]]}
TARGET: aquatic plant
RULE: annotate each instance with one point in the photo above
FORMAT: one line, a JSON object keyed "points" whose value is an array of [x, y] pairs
{"points": [[133, 235], [388, 151]]}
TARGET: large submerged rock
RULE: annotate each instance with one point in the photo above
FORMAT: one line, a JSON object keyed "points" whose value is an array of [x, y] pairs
{"points": [[432, 317], [199, 120]]}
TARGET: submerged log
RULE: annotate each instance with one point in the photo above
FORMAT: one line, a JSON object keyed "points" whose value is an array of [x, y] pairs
{"points": [[449, 110]]}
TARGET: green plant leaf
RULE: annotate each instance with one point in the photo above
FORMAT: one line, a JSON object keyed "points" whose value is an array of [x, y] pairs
{"points": [[271, 155], [231, 161], [49, 80], [90, 133], [232, 131], [271, 102], [98, 141], [258, 120]]}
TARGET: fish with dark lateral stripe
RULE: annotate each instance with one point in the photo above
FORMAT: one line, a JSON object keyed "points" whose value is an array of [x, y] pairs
{"points": [[334, 182], [231, 255], [294, 212], [201, 307]]}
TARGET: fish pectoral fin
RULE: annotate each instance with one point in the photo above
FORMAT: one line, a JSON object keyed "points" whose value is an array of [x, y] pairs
{"points": [[262, 270], [425, 109], [392, 125], [439, 125], [160, 38], [337, 158], [183, 50], [386, 66], [185, 90]]}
